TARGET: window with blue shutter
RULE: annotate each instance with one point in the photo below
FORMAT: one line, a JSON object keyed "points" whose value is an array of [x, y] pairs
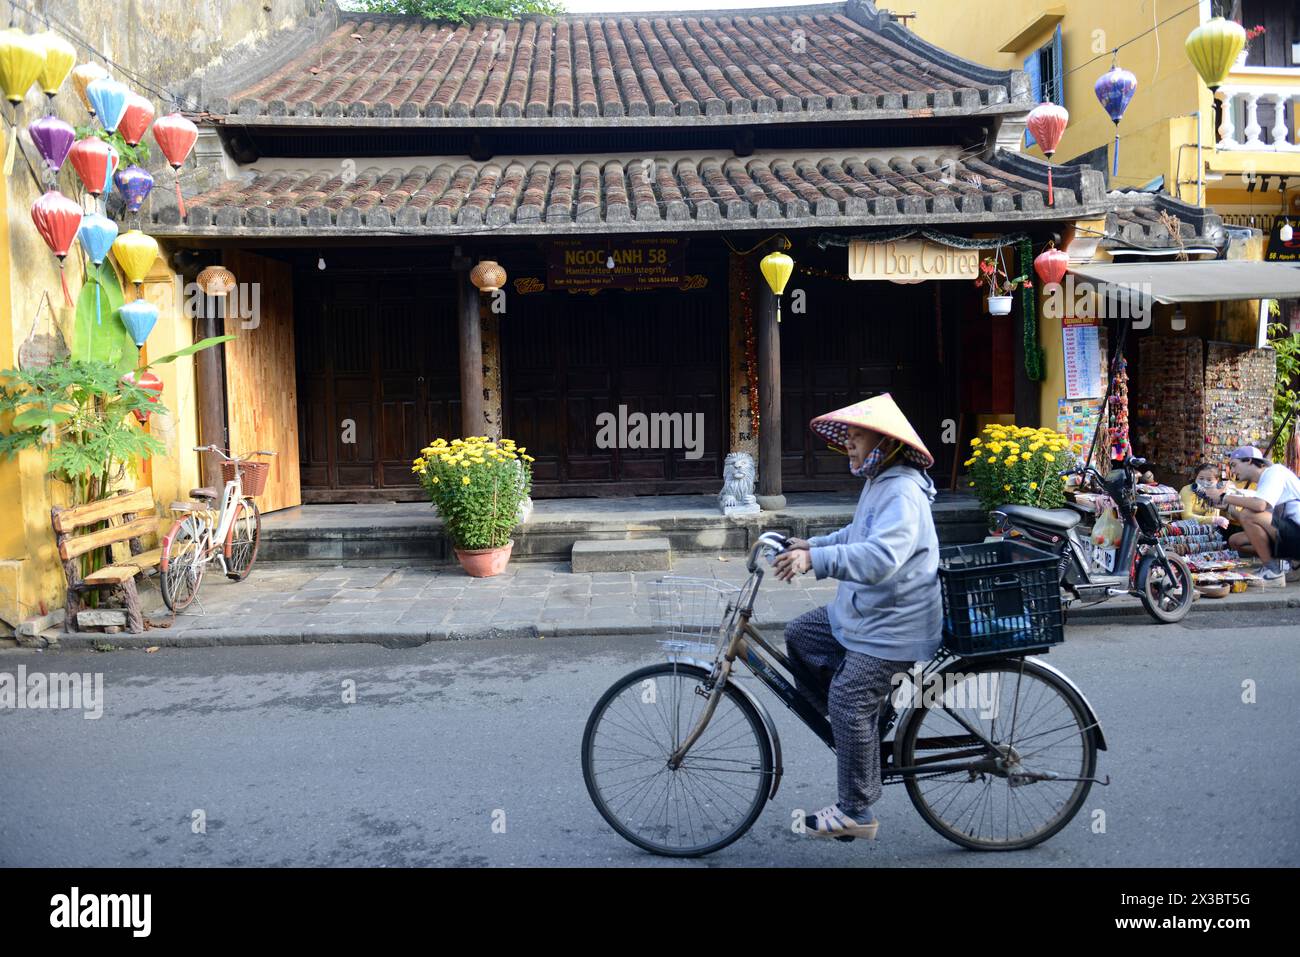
{"points": [[1046, 69]]}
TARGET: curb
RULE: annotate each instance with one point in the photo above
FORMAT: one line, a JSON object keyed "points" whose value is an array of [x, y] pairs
{"points": [[415, 636]]}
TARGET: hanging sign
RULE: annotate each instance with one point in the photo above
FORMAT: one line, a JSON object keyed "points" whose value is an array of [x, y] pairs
{"points": [[639, 263], [1278, 251], [912, 260]]}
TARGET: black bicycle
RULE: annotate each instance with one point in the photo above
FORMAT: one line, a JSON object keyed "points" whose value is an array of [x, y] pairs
{"points": [[997, 752]]}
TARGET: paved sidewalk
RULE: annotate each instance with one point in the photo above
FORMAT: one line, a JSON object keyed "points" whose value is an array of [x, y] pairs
{"points": [[405, 605]]}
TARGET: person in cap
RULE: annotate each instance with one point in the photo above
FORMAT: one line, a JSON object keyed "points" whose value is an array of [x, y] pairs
{"points": [[887, 613], [1275, 487]]}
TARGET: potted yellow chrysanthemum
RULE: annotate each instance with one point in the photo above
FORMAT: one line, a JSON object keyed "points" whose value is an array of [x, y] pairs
{"points": [[478, 485], [1011, 465]]}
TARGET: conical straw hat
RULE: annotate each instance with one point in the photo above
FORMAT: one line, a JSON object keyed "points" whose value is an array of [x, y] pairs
{"points": [[879, 414]]}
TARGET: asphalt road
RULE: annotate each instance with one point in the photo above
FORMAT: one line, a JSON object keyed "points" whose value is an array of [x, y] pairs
{"points": [[448, 742]]}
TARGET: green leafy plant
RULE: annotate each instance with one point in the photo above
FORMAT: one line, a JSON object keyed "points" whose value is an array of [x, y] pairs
{"points": [[478, 487], [1011, 465], [461, 11], [137, 155], [1286, 398]]}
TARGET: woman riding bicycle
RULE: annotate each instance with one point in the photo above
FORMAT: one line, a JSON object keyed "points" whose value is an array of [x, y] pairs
{"points": [[887, 612]]}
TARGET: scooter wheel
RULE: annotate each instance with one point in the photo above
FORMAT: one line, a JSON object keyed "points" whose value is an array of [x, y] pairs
{"points": [[1166, 601]]}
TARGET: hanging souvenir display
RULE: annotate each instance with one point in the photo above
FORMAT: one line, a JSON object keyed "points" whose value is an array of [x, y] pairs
{"points": [[144, 379], [1047, 123], [135, 121], [96, 236], [175, 136], [139, 317], [57, 219], [21, 59], [1120, 449], [53, 139], [108, 98], [1114, 89], [95, 162], [60, 57], [82, 77], [135, 253], [134, 183]]}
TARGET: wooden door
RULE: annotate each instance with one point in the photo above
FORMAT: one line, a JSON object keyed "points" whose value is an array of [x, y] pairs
{"points": [[261, 393]]}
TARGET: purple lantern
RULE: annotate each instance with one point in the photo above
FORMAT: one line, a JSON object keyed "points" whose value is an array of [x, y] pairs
{"points": [[134, 183], [53, 138], [1115, 88]]}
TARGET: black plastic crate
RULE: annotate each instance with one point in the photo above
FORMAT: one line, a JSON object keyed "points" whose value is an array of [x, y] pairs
{"points": [[999, 597]]}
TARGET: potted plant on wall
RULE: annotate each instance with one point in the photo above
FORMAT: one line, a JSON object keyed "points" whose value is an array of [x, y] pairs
{"points": [[1001, 287], [479, 487]]}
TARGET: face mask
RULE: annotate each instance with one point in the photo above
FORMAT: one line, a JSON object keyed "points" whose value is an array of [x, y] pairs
{"points": [[872, 463]]}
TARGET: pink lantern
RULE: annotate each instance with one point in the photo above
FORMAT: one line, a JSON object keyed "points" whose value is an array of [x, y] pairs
{"points": [[1051, 264], [176, 135], [1047, 123]]}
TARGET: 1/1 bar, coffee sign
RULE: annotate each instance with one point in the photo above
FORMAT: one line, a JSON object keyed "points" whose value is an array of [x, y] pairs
{"points": [[638, 263]]}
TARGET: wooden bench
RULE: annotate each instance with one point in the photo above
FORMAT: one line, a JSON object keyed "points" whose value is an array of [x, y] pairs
{"points": [[120, 512]]}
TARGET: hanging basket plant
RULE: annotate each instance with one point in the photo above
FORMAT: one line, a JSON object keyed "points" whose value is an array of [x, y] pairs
{"points": [[1001, 286]]}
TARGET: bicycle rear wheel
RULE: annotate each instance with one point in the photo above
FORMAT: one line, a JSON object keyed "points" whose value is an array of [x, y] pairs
{"points": [[184, 562], [245, 536], [1042, 731], [715, 795]]}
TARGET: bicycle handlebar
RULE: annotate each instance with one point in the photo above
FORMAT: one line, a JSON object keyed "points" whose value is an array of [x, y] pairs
{"points": [[771, 540], [230, 458]]}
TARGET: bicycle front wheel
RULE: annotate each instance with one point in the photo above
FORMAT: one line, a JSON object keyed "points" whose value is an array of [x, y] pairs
{"points": [[245, 536], [184, 562], [718, 791], [1035, 784]]}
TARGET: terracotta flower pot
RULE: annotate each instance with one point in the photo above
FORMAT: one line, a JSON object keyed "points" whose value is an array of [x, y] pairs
{"points": [[485, 562]]}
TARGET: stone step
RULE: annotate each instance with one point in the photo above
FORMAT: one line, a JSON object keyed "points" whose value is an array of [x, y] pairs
{"points": [[628, 555]]}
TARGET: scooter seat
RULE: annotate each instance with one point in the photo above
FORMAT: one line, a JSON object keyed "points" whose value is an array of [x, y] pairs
{"points": [[1061, 519]]}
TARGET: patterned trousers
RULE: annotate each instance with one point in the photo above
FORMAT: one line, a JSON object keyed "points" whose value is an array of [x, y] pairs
{"points": [[853, 687]]}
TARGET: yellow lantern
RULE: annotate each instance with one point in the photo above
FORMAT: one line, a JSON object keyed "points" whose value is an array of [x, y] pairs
{"points": [[135, 253], [1213, 48], [777, 268], [60, 57], [21, 59], [82, 77]]}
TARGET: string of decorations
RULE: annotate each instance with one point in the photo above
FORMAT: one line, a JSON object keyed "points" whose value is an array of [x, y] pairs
{"points": [[1034, 358], [827, 240]]}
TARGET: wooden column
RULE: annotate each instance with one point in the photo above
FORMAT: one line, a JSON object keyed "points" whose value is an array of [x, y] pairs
{"points": [[768, 334], [471, 353], [211, 388]]}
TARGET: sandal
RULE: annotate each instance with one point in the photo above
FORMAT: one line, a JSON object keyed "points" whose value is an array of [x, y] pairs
{"points": [[832, 822]]}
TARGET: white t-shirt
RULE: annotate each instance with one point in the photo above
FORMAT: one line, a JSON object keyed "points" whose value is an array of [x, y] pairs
{"points": [[1277, 484]]}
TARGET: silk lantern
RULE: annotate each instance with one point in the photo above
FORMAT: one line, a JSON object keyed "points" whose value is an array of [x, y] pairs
{"points": [[52, 138], [1114, 89], [134, 183], [82, 77], [57, 219], [96, 236], [1213, 48], [1047, 123], [144, 379], [175, 136], [139, 317], [135, 121], [60, 57], [21, 60], [108, 97], [1051, 264], [95, 162], [135, 253], [776, 268]]}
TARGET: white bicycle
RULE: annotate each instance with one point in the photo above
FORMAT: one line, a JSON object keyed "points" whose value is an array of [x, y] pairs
{"points": [[201, 534]]}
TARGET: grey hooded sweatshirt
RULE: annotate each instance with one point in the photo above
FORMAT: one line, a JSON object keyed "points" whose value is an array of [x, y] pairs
{"points": [[888, 604]]}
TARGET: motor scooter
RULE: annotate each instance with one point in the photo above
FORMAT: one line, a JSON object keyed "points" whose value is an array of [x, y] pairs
{"points": [[1141, 565]]}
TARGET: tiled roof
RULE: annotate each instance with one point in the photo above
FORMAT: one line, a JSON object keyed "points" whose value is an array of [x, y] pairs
{"points": [[835, 61], [1141, 221], [570, 194]]}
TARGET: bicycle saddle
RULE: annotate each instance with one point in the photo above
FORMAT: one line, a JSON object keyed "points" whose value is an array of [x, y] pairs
{"points": [[203, 493], [1062, 519]]}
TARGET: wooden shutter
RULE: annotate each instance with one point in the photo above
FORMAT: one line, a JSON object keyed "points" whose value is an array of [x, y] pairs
{"points": [[1035, 72]]}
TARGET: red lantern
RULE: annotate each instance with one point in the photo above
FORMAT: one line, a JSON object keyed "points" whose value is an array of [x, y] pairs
{"points": [[135, 121], [1051, 264], [175, 136], [145, 380], [95, 162], [57, 219], [1047, 123]]}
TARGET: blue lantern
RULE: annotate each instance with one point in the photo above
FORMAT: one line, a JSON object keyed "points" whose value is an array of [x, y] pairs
{"points": [[1115, 88], [139, 317], [96, 235], [108, 99], [134, 184]]}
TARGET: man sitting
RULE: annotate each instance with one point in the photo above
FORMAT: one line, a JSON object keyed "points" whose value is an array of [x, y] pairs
{"points": [[1275, 486]]}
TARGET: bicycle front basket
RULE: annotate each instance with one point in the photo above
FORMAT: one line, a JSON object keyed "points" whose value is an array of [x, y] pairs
{"points": [[693, 614], [999, 598]]}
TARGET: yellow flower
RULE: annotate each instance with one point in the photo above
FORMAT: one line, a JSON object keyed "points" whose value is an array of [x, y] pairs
{"points": [[1033, 486], [969, 462], [435, 480], [465, 465], [1006, 488], [1049, 457], [464, 480], [975, 455], [972, 484], [976, 442], [529, 458], [1012, 460]]}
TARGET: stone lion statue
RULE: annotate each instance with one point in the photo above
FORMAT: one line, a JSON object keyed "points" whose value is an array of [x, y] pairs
{"points": [[737, 495]]}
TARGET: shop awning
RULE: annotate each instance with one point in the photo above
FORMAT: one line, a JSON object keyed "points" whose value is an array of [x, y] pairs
{"points": [[1214, 281]]}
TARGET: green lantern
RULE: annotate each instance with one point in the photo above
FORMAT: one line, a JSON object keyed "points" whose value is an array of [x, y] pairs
{"points": [[1213, 48]]}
